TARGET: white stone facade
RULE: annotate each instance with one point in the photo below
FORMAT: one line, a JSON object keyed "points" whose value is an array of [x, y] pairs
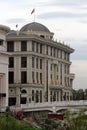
{"points": [[3, 67], [39, 67]]}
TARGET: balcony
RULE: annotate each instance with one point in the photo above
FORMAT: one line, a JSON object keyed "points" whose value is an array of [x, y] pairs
{"points": [[72, 76]]}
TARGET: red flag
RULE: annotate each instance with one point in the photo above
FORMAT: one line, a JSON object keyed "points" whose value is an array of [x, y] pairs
{"points": [[16, 25], [32, 11]]}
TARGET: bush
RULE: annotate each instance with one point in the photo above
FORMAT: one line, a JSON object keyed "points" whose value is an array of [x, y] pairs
{"points": [[8, 122]]}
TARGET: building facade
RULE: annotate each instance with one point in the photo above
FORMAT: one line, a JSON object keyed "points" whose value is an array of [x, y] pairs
{"points": [[39, 67], [3, 67]]}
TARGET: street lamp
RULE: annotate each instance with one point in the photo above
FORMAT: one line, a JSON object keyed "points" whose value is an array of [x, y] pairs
{"points": [[20, 94]]}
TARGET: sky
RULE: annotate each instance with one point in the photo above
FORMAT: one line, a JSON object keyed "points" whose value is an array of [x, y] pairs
{"points": [[67, 19]]}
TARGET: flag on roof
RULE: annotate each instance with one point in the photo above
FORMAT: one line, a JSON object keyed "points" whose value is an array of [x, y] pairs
{"points": [[16, 25], [32, 11]]}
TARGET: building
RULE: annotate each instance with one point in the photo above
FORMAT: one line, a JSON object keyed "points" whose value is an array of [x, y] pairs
{"points": [[3, 67], [39, 67]]}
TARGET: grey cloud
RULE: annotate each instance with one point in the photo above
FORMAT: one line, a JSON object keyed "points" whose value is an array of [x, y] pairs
{"points": [[61, 15], [67, 3], [16, 20]]}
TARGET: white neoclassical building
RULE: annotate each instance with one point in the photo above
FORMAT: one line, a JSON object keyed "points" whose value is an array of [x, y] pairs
{"points": [[39, 67], [3, 67]]}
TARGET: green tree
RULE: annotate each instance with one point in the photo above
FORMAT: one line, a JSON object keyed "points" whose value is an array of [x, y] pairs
{"points": [[77, 121], [8, 122]]}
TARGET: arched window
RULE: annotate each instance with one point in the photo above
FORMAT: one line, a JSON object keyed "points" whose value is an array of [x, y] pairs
{"points": [[23, 91]]}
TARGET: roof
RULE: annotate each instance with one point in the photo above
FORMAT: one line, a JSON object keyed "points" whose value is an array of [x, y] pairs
{"points": [[34, 26]]}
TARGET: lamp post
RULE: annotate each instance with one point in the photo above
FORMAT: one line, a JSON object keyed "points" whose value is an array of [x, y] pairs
{"points": [[46, 94], [20, 94]]}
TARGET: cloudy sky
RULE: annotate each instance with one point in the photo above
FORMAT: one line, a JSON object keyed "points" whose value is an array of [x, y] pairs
{"points": [[66, 18]]}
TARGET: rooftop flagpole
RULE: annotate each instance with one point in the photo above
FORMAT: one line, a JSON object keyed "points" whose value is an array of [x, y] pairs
{"points": [[17, 29], [33, 12]]}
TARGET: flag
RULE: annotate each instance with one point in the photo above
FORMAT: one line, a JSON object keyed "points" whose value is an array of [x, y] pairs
{"points": [[16, 25], [32, 11]]}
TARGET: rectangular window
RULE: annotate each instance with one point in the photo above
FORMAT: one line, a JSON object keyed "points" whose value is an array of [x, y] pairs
{"points": [[51, 76], [40, 63], [23, 61], [51, 51], [33, 46], [41, 78], [57, 68], [10, 46], [32, 62], [40, 48], [23, 45], [37, 77], [57, 77], [47, 50], [51, 67], [23, 77], [37, 63], [11, 62], [11, 77], [37, 47], [54, 52], [61, 54], [33, 77], [57, 53], [1, 42]]}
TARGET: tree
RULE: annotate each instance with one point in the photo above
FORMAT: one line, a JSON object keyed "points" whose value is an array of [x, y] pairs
{"points": [[77, 121]]}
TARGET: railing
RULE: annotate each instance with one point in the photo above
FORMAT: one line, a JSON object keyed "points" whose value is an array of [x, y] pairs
{"points": [[52, 104], [48, 105]]}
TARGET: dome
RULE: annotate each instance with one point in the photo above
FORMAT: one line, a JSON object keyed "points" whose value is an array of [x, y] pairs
{"points": [[12, 33], [34, 27]]}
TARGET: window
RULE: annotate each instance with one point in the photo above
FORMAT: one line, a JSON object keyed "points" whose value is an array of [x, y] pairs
{"points": [[57, 77], [11, 77], [10, 46], [40, 48], [1, 42], [51, 76], [11, 62], [23, 77], [40, 63], [37, 63], [32, 62], [41, 78], [51, 51], [57, 68], [40, 96], [33, 46], [23, 45], [33, 77], [57, 53], [37, 47], [61, 54], [23, 61], [32, 95], [54, 52], [37, 77], [47, 50], [42, 36], [51, 67], [68, 56], [23, 91], [37, 96]]}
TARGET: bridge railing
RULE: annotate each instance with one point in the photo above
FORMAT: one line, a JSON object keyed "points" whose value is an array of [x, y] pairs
{"points": [[51, 104], [59, 103]]}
